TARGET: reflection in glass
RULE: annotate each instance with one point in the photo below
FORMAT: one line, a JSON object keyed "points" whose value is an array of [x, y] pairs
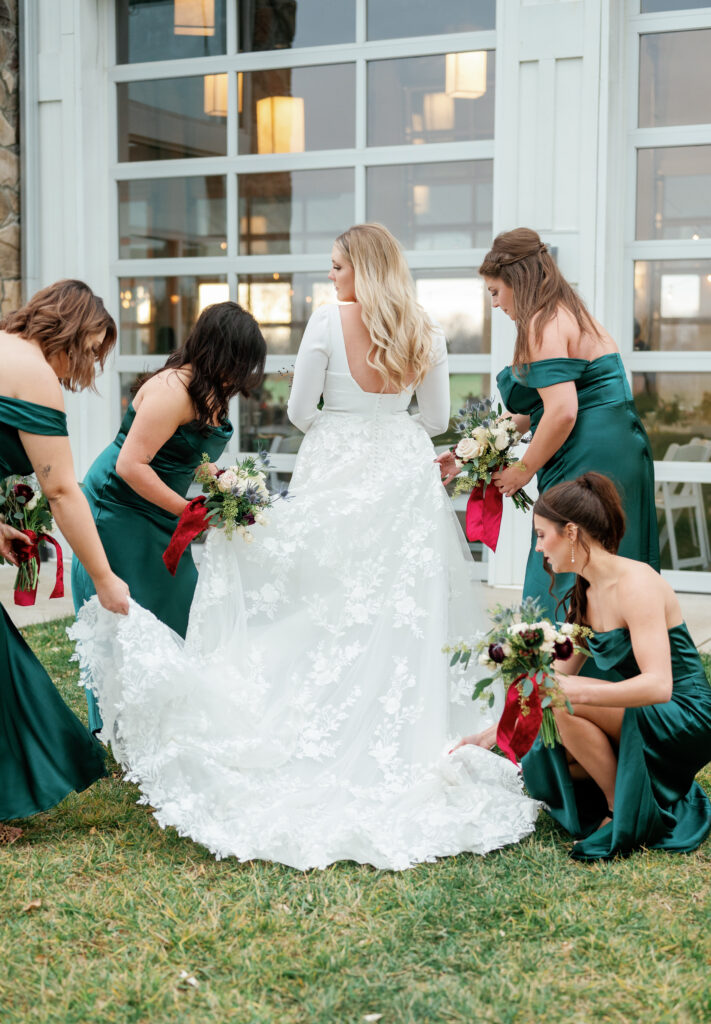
{"points": [[158, 313], [283, 303], [126, 385], [172, 217], [434, 206], [674, 406], [172, 118], [652, 6], [463, 388], [458, 301], [394, 18], [288, 110], [675, 78], [685, 532], [673, 188], [672, 305], [263, 421], [168, 29], [270, 25], [294, 211], [410, 100]]}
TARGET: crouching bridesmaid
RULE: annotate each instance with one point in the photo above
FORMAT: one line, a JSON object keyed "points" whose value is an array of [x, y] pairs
{"points": [[624, 775]]}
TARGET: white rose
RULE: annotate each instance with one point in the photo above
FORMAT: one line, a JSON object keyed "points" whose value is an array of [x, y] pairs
{"points": [[468, 449], [260, 519], [566, 628], [32, 503], [484, 658], [481, 435], [501, 440], [227, 480]]}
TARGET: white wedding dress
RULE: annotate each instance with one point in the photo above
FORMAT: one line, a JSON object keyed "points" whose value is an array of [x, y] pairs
{"points": [[307, 716]]}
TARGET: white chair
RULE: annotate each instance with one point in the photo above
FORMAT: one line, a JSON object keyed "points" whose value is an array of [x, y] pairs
{"points": [[675, 497]]}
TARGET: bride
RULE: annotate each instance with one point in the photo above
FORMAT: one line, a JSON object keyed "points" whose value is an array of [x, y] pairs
{"points": [[307, 716]]}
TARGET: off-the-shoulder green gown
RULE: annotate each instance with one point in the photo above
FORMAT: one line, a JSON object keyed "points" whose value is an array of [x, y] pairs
{"points": [[45, 751], [662, 747], [608, 437], [135, 532]]}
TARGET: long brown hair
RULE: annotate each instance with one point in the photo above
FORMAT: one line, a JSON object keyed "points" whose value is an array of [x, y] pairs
{"points": [[59, 318], [522, 261], [593, 504]]}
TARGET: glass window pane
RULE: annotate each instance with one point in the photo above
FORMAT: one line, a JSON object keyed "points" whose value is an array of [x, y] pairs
{"points": [[294, 211], [684, 533], [672, 305], [673, 188], [289, 110], [172, 118], [674, 407], [263, 421], [446, 98], [168, 29], [463, 387], [458, 301], [389, 19], [282, 304], [158, 313], [675, 78], [265, 25], [434, 206], [653, 6], [172, 217], [126, 382]]}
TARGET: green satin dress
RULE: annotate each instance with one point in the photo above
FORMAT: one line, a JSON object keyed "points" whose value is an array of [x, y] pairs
{"points": [[45, 751], [608, 437], [135, 532], [662, 747]]}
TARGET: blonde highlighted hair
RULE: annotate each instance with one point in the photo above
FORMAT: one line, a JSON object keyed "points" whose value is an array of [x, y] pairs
{"points": [[401, 331]]}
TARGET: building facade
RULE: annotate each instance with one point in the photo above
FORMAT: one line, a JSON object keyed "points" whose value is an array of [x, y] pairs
{"points": [[177, 152]]}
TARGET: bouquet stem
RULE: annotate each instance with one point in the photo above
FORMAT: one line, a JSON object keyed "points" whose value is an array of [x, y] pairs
{"points": [[550, 736]]}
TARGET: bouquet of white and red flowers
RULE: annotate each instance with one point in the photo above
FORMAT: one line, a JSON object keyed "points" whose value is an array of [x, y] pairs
{"points": [[521, 648], [233, 499], [486, 445], [25, 507]]}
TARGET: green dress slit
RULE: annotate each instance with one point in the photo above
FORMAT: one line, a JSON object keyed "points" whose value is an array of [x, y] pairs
{"points": [[135, 532], [45, 751], [662, 747]]}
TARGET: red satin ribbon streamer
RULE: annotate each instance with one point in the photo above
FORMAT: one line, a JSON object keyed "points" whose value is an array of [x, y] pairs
{"points": [[516, 732], [29, 553], [484, 510], [191, 523]]}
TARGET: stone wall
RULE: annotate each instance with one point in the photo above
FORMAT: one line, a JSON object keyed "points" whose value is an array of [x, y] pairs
{"points": [[10, 265]]}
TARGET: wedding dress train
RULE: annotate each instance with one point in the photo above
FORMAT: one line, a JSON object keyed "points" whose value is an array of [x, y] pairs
{"points": [[307, 716]]}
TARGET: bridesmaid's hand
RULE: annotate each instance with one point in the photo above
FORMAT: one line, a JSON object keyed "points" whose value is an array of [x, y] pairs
{"points": [[8, 534], [448, 467], [511, 479], [113, 594], [485, 739]]}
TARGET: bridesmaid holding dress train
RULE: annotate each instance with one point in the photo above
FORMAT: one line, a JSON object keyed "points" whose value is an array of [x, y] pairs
{"points": [[136, 488], [57, 338]]}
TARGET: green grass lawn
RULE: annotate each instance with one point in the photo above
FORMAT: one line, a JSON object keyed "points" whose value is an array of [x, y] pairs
{"points": [[128, 914]]}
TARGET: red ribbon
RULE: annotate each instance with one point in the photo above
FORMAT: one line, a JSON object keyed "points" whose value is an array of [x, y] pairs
{"points": [[484, 510], [192, 522], [517, 732], [30, 553]]}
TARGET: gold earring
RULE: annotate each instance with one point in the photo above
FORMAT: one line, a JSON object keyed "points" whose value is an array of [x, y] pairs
{"points": [[572, 553]]}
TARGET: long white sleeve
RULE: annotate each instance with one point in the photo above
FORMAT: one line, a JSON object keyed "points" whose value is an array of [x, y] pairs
{"points": [[310, 371], [433, 392]]}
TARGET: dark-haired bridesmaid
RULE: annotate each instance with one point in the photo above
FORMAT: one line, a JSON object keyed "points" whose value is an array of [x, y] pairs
{"points": [[136, 488], [624, 777], [57, 338]]}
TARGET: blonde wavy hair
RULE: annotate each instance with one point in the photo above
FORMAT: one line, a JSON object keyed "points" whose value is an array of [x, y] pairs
{"points": [[400, 329]]}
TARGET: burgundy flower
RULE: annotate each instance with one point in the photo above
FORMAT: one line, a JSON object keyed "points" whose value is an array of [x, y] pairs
{"points": [[496, 653], [563, 649], [23, 491], [249, 519]]}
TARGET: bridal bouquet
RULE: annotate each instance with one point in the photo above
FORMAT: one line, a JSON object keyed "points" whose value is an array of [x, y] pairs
{"points": [[233, 499], [27, 509], [521, 648], [486, 445]]}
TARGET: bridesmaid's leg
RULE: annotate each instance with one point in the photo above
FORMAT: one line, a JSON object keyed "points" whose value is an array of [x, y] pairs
{"points": [[587, 735]]}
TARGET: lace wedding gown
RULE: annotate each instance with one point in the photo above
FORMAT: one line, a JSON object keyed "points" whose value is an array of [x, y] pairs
{"points": [[307, 716]]}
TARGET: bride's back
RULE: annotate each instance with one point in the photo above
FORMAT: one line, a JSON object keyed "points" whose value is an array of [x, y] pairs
{"points": [[358, 343]]}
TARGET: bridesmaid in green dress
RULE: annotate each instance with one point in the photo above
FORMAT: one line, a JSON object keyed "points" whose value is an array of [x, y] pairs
{"points": [[59, 336], [136, 488], [633, 746]]}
